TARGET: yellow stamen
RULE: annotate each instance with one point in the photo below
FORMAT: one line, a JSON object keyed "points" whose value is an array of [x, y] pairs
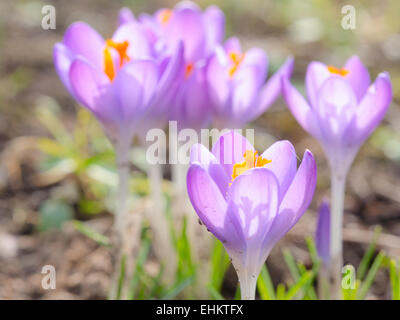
{"points": [[189, 70], [251, 160], [121, 48], [165, 16], [341, 72], [236, 58]]}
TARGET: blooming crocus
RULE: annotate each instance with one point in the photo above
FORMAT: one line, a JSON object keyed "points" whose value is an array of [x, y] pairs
{"points": [[322, 233], [200, 32], [237, 87], [249, 201], [117, 79], [343, 109]]}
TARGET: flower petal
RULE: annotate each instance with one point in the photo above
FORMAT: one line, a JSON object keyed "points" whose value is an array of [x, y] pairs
{"points": [[209, 203], [83, 40], [214, 23], [296, 200], [283, 165], [358, 76], [272, 89], [201, 155], [300, 108], [63, 58], [229, 149], [125, 15], [371, 110], [316, 74]]}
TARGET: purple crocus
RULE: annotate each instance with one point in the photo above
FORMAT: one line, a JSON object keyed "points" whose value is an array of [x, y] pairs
{"points": [[343, 107], [236, 79], [249, 201], [322, 232], [117, 79], [200, 32]]}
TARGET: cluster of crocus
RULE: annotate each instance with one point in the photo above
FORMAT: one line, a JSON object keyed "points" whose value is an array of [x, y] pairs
{"points": [[218, 82], [249, 201], [174, 65], [343, 109]]}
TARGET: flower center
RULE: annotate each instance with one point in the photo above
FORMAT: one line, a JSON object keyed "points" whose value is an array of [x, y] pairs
{"points": [[189, 70], [164, 16], [251, 160], [236, 59], [341, 72], [121, 48]]}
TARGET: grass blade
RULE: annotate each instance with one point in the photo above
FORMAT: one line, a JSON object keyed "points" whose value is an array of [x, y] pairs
{"points": [[362, 269], [370, 276], [265, 286]]}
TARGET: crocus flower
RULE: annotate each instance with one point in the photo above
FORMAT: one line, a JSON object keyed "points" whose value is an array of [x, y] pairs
{"points": [[249, 201], [343, 107], [322, 232], [236, 79], [200, 32], [117, 79]]}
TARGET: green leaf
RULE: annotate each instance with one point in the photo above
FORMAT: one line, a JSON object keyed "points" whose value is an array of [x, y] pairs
{"points": [[214, 293], [92, 234], [139, 267], [178, 288], [394, 269], [291, 263], [53, 214], [265, 285], [281, 292], [370, 276], [363, 267], [299, 285], [219, 265]]}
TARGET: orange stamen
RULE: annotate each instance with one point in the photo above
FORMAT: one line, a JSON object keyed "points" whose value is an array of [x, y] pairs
{"points": [[251, 160], [189, 70], [165, 16], [341, 72], [236, 58], [121, 48]]}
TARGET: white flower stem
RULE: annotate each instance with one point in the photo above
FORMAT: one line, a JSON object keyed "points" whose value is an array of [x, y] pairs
{"points": [[338, 184], [159, 224], [248, 284]]}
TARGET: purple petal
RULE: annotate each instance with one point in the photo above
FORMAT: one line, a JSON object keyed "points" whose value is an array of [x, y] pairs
{"points": [[214, 23], [253, 203], [296, 200], [371, 110], [335, 108], [208, 202], [83, 40], [135, 85], [186, 25], [283, 165], [358, 76], [201, 155], [322, 232], [272, 89], [300, 108], [139, 44], [233, 45], [125, 16], [229, 149], [63, 58], [92, 88], [316, 74]]}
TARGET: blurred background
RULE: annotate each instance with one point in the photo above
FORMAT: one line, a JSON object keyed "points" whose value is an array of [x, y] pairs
{"points": [[57, 168]]}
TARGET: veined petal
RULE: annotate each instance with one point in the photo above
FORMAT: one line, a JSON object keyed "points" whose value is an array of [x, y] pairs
{"points": [[214, 23], [358, 76], [201, 155], [336, 106], [296, 200], [253, 202], [300, 108], [317, 73], [371, 110], [208, 202], [83, 40], [272, 89], [283, 165], [229, 149]]}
